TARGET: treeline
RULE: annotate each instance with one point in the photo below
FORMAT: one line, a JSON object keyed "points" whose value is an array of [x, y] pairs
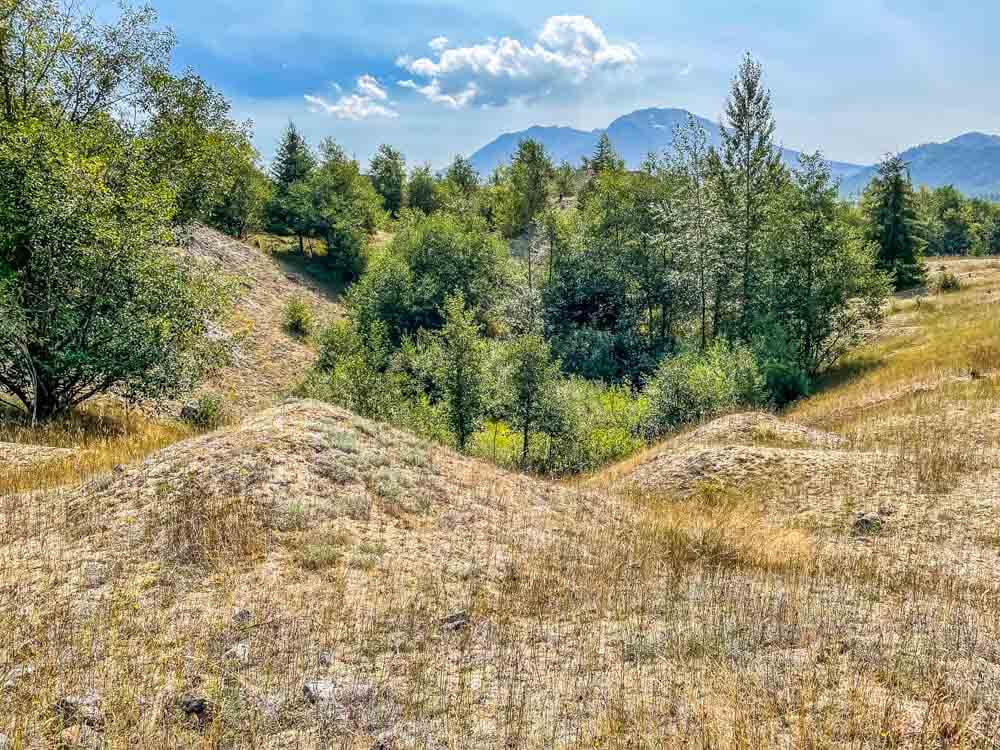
{"points": [[709, 280]]}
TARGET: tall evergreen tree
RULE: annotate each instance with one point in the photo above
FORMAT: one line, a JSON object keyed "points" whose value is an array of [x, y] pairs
{"points": [[748, 172], [294, 159], [605, 158], [293, 163], [892, 223], [388, 173]]}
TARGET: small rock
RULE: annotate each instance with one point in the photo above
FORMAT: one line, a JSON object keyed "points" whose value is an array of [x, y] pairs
{"points": [[455, 621], [242, 616], [195, 706], [886, 509], [240, 652], [5, 742], [867, 524], [80, 709], [80, 735], [16, 675], [320, 691]]}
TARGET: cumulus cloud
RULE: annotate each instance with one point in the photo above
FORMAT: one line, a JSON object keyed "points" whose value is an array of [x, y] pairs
{"points": [[569, 51], [369, 99]]}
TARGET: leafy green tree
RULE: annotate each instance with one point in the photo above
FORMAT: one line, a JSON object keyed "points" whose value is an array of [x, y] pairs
{"points": [[422, 190], [530, 172], [241, 210], [63, 66], [429, 259], [460, 373], [195, 146], [90, 303], [892, 223], [699, 229], [747, 173], [338, 204], [388, 173], [563, 180], [463, 175], [531, 379], [824, 290]]}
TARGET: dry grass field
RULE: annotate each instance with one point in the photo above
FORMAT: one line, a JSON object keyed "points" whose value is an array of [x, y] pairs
{"points": [[826, 578]]}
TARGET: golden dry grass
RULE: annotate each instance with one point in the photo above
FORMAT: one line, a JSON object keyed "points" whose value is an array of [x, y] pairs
{"points": [[451, 605]]}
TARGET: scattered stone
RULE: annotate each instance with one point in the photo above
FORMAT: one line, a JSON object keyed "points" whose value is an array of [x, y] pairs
{"points": [[242, 616], [196, 707], [320, 691], [80, 735], [886, 509], [240, 652], [80, 709], [16, 675], [5, 742], [455, 621], [868, 524]]}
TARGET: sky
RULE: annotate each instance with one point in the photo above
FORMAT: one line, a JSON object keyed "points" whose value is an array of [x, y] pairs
{"points": [[854, 78]]}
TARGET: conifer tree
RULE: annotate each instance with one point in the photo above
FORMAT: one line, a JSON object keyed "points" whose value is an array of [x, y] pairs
{"points": [[748, 171], [892, 223], [530, 173], [294, 159], [605, 158], [293, 163]]}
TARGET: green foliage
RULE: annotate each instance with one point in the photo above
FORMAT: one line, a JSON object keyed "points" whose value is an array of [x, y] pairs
{"points": [[564, 179], [293, 161], [946, 282], [422, 190], [388, 174], [892, 223], [430, 259], [823, 289], [460, 371], [91, 303], [208, 411], [748, 173], [240, 211], [463, 175], [339, 205], [530, 172], [530, 377], [298, 317], [699, 385]]}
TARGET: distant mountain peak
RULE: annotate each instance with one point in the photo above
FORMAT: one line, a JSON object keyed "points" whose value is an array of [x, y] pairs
{"points": [[970, 162]]}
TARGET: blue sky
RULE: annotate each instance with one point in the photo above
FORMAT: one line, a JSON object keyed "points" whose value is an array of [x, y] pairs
{"points": [[855, 78]]}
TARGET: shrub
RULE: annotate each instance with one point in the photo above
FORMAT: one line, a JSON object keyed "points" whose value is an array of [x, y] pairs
{"points": [[208, 411], [786, 382], [298, 317], [697, 385], [946, 282]]}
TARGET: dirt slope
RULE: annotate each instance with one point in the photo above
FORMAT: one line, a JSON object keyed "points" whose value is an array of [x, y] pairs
{"points": [[270, 362]]}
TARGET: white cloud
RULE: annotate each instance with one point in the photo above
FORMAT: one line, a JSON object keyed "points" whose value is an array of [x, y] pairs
{"points": [[361, 105], [369, 86], [569, 51]]}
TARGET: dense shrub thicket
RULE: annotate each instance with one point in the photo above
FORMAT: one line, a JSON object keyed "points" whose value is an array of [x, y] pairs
{"points": [[711, 280]]}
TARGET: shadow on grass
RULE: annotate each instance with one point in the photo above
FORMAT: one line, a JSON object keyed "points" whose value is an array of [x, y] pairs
{"points": [[847, 372]]}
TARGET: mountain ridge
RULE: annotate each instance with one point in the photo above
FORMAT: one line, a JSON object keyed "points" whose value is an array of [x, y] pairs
{"points": [[970, 162]]}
